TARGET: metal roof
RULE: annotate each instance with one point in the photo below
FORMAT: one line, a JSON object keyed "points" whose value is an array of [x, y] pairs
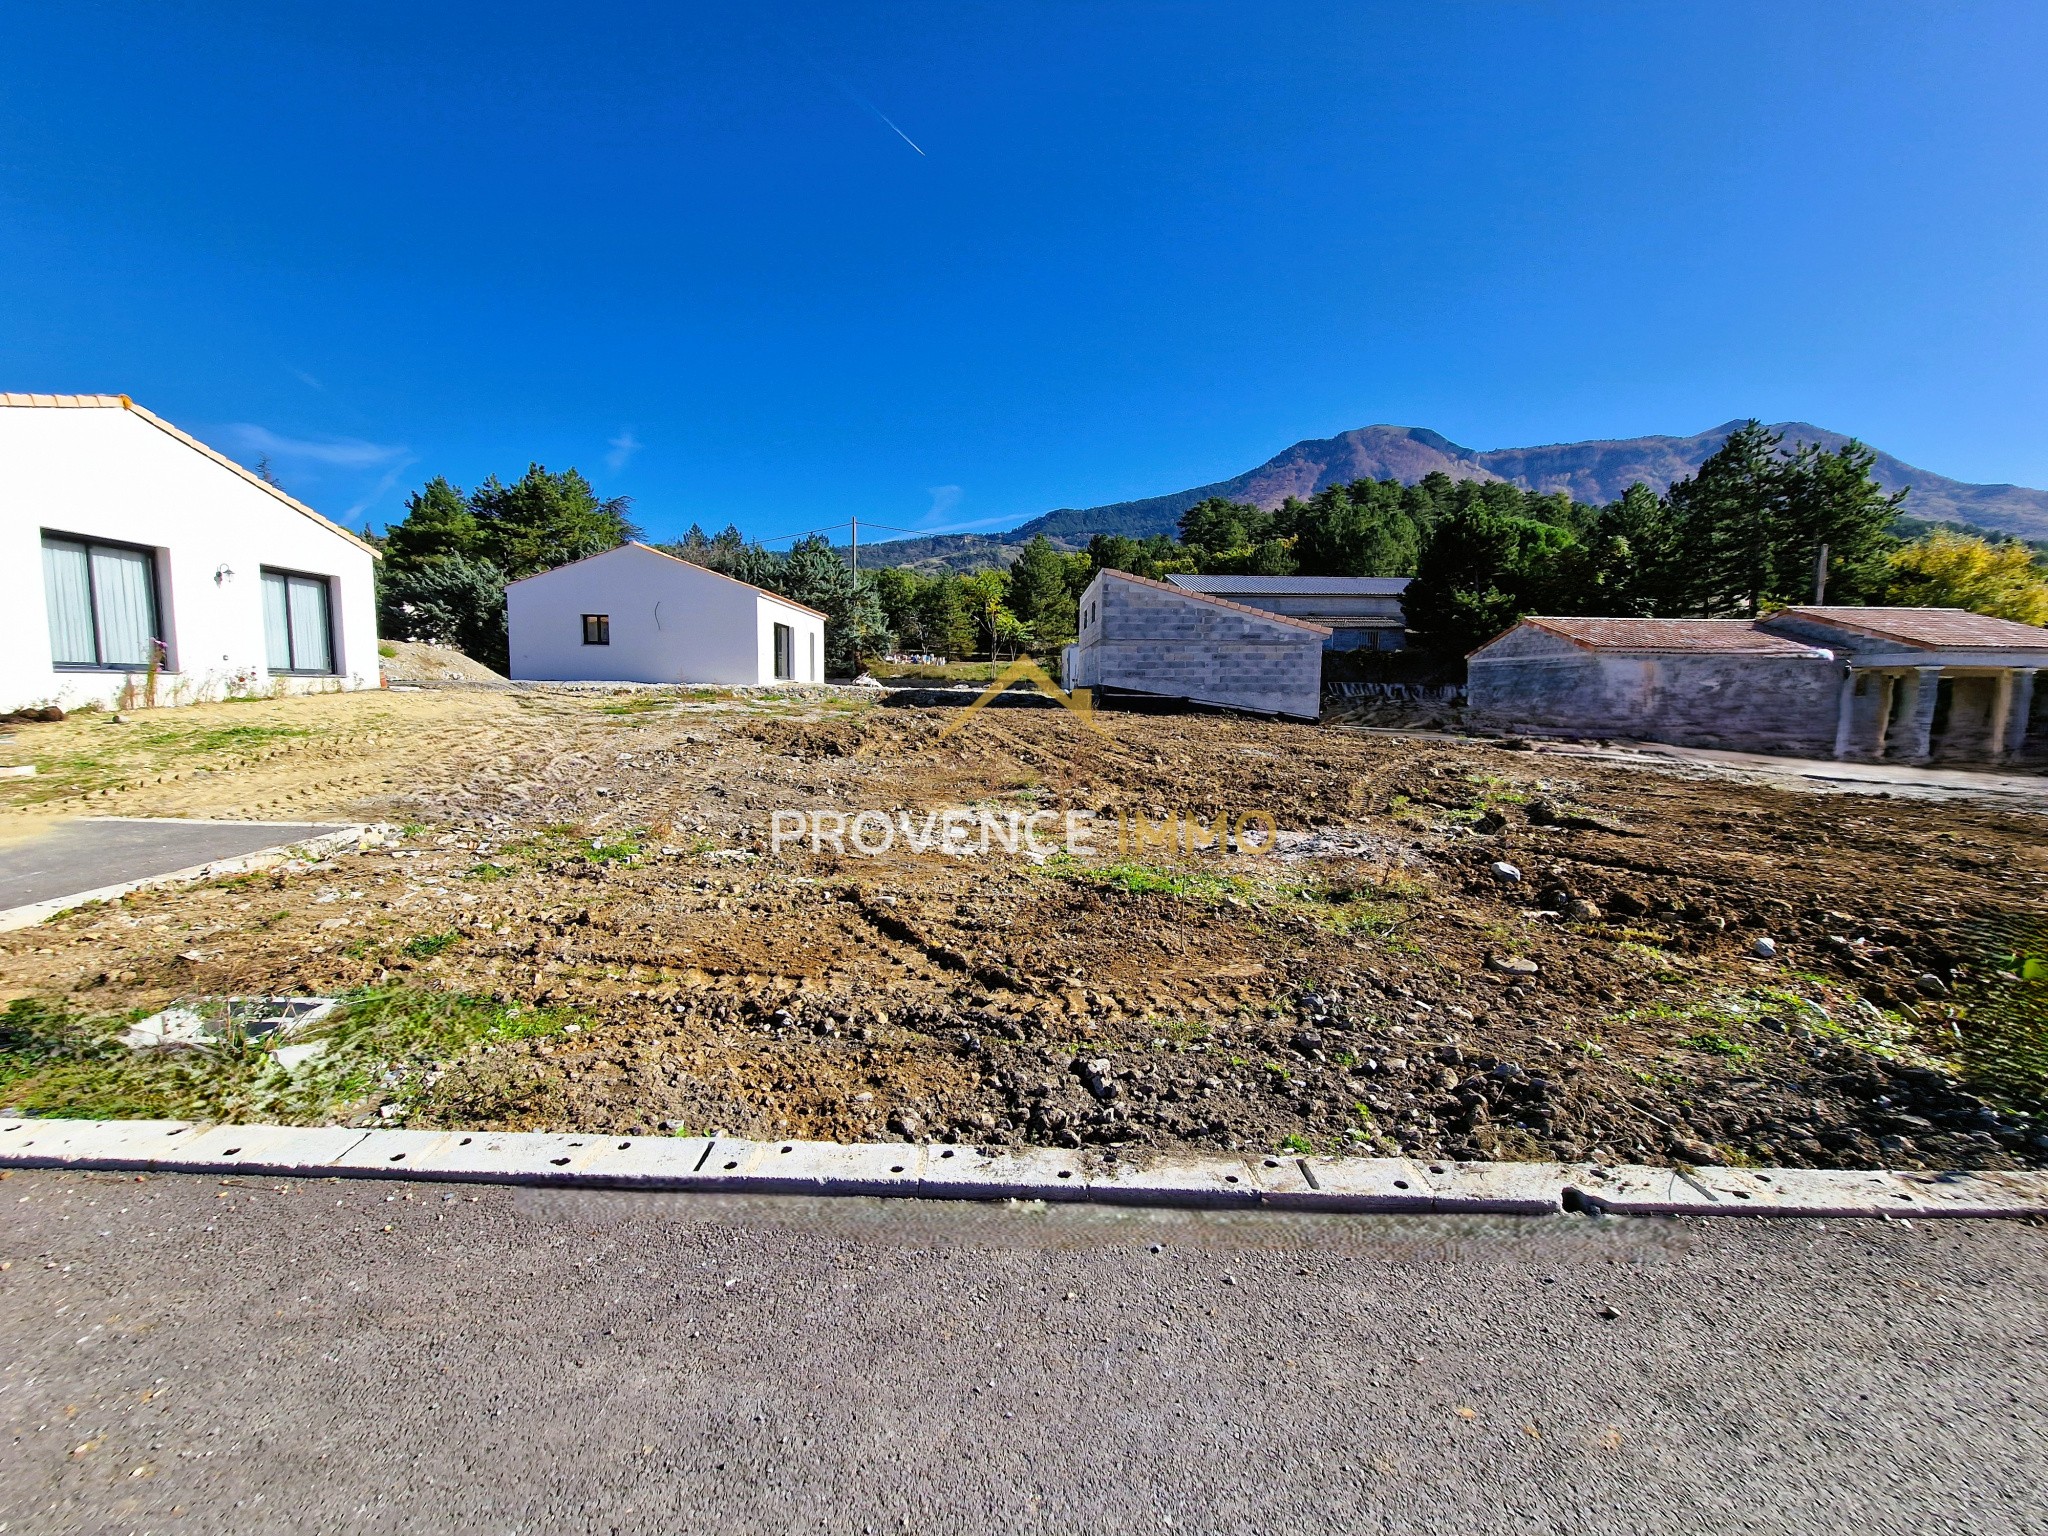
{"points": [[1725, 636], [1929, 628], [1294, 586], [1221, 602]]}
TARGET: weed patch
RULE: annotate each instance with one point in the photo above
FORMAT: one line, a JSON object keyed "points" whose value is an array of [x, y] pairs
{"points": [[381, 1045]]}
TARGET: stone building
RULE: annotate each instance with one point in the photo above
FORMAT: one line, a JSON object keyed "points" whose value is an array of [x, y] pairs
{"points": [[1146, 637], [1913, 685]]}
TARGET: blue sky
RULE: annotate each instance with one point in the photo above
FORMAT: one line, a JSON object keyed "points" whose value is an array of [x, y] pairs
{"points": [[958, 264]]}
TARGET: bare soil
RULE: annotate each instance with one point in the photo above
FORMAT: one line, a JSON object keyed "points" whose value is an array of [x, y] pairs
{"points": [[414, 661], [1374, 985]]}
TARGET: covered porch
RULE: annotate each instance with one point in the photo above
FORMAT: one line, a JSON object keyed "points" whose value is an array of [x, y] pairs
{"points": [[1965, 710]]}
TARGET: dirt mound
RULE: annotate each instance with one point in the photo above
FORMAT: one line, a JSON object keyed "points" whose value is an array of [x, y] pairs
{"points": [[414, 661]]}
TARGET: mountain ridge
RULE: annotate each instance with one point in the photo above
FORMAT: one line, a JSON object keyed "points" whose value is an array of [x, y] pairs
{"points": [[1595, 470]]}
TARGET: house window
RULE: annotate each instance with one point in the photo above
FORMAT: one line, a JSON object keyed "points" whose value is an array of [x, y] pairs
{"points": [[597, 629], [785, 653], [813, 637], [102, 603], [298, 624]]}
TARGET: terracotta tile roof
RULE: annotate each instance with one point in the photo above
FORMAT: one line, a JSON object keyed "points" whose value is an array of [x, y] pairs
{"points": [[89, 402], [123, 403], [777, 597], [1929, 628], [1203, 597], [1727, 636]]}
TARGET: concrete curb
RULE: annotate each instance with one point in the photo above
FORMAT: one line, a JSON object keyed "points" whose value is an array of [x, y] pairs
{"points": [[1278, 1182], [359, 835]]}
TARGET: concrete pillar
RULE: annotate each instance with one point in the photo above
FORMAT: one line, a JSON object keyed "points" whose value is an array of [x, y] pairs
{"points": [[1915, 723], [2019, 704], [1860, 715], [2001, 712]]}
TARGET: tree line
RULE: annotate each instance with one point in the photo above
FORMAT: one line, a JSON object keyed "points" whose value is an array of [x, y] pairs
{"points": [[1758, 526], [1761, 525], [447, 562]]}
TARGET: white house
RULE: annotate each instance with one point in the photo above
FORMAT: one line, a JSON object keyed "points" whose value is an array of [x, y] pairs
{"points": [[148, 567], [636, 615]]}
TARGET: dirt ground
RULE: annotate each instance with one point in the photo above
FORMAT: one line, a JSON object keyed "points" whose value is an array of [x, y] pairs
{"points": [[1377, 983]]}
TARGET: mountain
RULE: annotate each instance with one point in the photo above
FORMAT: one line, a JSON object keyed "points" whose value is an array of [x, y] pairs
{"points": [[1595, 472]]}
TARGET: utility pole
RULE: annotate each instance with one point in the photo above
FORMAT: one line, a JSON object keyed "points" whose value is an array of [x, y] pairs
{"points": [[854, 547], [1820, 577]]}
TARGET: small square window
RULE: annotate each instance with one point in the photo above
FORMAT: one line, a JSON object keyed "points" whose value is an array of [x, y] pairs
{"points": [[597, 629]]}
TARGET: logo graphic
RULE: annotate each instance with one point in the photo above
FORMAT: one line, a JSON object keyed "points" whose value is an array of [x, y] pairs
{"points": [[1081, 701]]}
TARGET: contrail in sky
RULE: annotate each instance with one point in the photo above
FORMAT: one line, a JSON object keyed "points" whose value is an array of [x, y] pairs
{"points": [[906, 138], [861, 101]]}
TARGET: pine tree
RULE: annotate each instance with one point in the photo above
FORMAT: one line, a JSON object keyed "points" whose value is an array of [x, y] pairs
{"points": [[437, 521], [1733, 515], [546, 519], [948, 627], [1833, 500], [1630, 564], [1039, 596], [813, 574]]}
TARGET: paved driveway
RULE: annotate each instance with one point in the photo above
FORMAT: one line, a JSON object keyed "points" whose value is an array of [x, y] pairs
{"points": [[198, 1355], [65, 857]]}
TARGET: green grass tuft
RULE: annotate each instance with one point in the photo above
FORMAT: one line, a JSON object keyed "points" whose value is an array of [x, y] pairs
{"points": [[381, 1043]]}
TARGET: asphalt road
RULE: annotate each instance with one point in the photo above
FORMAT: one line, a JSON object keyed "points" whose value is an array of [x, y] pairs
{"points": [[72, 856], [187, 1354]]}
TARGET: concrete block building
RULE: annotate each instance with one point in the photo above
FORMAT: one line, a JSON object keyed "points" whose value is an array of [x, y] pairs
{"points": [[1149, 637], [1912, 685], [636, 614], [1362, 613]]}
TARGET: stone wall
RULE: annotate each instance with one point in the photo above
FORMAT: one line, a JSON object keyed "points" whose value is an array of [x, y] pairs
{"points": [[1180, 646], [1545, 685]]}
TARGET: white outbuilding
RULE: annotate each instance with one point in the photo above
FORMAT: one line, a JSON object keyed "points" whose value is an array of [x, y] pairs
{"points": [[148, 568], [638, 615]]}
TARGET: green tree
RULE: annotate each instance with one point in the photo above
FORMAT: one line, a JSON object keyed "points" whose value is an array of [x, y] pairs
{"points": [[453, 600], [437, 522], [446, 562], [1481, 571], [1235, 538], [1156, 558], [948, 627], [1630, 565], [1361, 529], [1833, 501], [814, 575], [1039, 594], [901, 594], [546, 519], [1733, 516], [984, 593]]}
